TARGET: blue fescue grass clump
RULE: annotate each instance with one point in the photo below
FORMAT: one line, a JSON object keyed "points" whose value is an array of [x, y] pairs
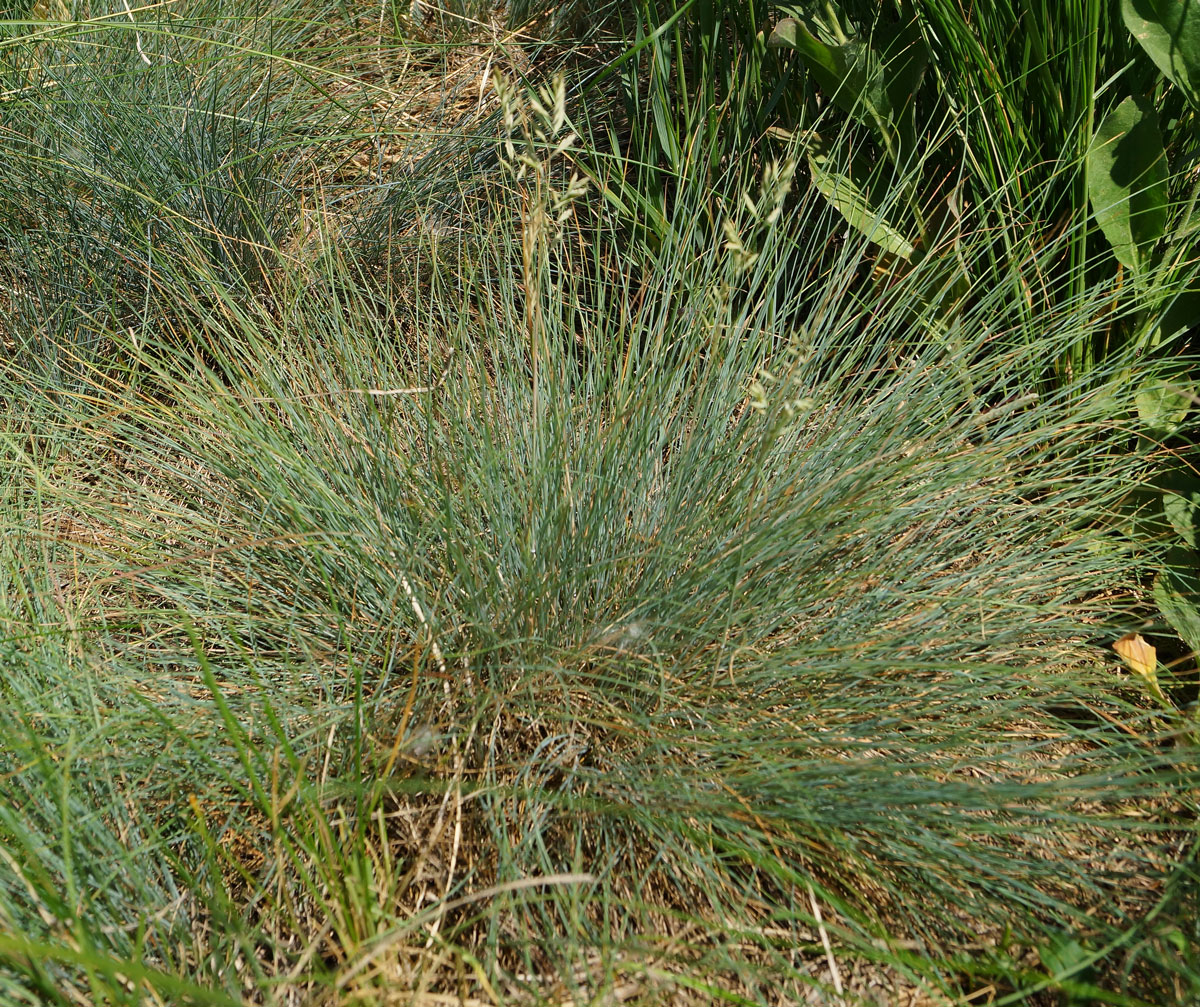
{"points": [[564, 608]]}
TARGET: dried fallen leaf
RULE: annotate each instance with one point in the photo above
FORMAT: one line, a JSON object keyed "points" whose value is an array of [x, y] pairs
{"points": [[1141, 658]]}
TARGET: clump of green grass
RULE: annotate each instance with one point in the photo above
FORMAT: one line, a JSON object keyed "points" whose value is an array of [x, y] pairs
{"points": [[711, 663], [555, 616]]}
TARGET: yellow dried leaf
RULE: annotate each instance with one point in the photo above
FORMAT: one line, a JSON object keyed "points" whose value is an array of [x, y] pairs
{"points": [[1141, 658]]}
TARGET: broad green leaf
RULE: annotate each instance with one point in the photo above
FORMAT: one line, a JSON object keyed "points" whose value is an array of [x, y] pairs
{"points": [[875, 85], [851, 74], [821, 59], [1182, 314], [1178, 606], [1127, 180], [1183, 511], [837, 69], [1162, 405], [1064, 958], [903, 61], [1169, 31], [850, 201]]}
